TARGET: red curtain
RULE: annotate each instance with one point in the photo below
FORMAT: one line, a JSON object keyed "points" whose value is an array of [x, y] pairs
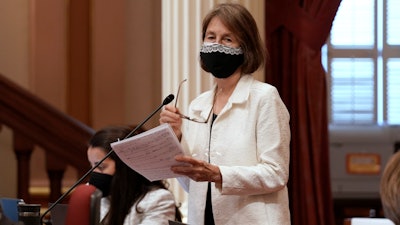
{"points": [[295, 32]]}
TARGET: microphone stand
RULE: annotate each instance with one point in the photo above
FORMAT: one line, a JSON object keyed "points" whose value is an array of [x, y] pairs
{"points": [[166, 101]]}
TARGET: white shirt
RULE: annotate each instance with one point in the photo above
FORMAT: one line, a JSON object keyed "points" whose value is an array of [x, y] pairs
{"points": [[158, 206]]}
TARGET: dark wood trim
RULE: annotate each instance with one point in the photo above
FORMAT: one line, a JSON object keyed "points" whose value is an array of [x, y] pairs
{"points": [[36, 123]]}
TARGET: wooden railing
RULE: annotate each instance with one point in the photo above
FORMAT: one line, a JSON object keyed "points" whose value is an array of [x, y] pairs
{"points": [[36, 123]]}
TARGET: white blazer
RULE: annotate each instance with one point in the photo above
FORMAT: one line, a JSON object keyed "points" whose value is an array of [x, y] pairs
{"points": [[249, 141], [158, 207]]}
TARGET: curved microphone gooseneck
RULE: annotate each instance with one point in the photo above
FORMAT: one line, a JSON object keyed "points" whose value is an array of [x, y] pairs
{"points": [[166, 101]]}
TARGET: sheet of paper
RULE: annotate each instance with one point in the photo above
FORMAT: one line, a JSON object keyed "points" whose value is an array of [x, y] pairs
{"points": [[151, 153]]}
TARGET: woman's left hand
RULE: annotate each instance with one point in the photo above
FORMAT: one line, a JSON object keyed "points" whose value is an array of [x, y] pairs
{"points": [[198, 170]]}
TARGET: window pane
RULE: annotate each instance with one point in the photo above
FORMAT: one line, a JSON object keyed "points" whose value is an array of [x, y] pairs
{"points": [[393, 91], [393, 22], [354, 24], [352, 91]]}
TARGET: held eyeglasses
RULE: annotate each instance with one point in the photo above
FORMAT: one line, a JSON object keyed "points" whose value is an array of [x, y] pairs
{"points": [[187, 117]]}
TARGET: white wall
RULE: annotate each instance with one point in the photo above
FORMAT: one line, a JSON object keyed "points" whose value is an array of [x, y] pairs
{"points": [[371, 140]]}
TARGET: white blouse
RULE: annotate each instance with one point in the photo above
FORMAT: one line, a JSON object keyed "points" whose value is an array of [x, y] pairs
{"points": [[158, 206]]}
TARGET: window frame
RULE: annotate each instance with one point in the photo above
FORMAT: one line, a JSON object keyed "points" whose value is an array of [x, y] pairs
{"points": [[380, 52]]}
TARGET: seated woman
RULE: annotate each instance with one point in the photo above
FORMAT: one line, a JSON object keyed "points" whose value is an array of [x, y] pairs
{"points": [[128, 197], [390, 189]]}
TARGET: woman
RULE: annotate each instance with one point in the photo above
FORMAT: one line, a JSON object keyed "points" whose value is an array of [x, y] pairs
{"points": [[128, 197], [237, 134], [389, 189]]}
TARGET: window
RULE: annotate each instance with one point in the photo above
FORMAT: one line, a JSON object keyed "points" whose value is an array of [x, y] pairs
{"points": [[363, 63]]}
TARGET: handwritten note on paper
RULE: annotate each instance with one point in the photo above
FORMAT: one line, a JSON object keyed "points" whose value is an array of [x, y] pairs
{"points": [[151, 153]]}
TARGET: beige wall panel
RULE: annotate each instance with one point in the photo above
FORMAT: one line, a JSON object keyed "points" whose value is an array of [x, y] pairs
{"points": [[108, 62], [143, 61], [14, 65]]}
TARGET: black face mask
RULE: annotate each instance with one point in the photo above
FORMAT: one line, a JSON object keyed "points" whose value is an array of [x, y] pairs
{"points": [[102, 182], [221, 60]]}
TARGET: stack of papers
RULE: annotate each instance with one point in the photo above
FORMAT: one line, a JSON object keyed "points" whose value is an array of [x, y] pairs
{"points": [[151, 153]]}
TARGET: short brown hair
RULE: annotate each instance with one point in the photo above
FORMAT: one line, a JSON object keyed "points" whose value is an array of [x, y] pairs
{"points": [[239, 20], [390, 189]]}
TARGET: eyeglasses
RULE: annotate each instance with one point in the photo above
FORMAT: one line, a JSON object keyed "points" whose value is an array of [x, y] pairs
{"points": [[186, 117]]}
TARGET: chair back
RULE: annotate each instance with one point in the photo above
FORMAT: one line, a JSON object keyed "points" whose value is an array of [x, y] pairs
{"points": [[84, 206], [10, 208], [58, 214]]}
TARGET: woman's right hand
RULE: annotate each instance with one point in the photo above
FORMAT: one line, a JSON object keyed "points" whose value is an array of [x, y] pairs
{"points": [[171, 115]]}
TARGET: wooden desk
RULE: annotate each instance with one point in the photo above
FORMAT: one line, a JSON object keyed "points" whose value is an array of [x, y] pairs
{"points": [[356, 205]]}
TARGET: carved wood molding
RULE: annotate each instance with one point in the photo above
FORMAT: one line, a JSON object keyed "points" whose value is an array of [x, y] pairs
{"points": [[60, 135]]}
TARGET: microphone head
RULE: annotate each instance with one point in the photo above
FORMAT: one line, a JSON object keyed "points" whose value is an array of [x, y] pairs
{"points": [[168, 99]]}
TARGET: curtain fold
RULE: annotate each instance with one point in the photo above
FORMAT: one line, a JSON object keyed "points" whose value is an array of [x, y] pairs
{"points": [[295, 33]]}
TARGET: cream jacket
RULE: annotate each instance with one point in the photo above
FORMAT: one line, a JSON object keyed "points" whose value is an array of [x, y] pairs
{"points": [[158, 207], [249, 141]]}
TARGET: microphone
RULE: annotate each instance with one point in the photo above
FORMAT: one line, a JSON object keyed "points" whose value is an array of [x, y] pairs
{"points": [[166, 101]]}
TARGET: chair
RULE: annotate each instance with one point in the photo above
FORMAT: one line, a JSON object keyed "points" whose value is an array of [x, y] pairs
{"points": [[58, 214], [84, 206], [10, 208], [4, 220], [367, 221]]}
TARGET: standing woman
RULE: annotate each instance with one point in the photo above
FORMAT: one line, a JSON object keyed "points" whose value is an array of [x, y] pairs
{"points": [[128, 197], [237, 134]]}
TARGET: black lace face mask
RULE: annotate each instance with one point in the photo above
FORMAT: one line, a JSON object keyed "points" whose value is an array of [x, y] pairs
{"points": [[102, 182], [221, 60]]}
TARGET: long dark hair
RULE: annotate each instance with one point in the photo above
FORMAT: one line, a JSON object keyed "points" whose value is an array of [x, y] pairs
{"points": [[128, 187]]}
